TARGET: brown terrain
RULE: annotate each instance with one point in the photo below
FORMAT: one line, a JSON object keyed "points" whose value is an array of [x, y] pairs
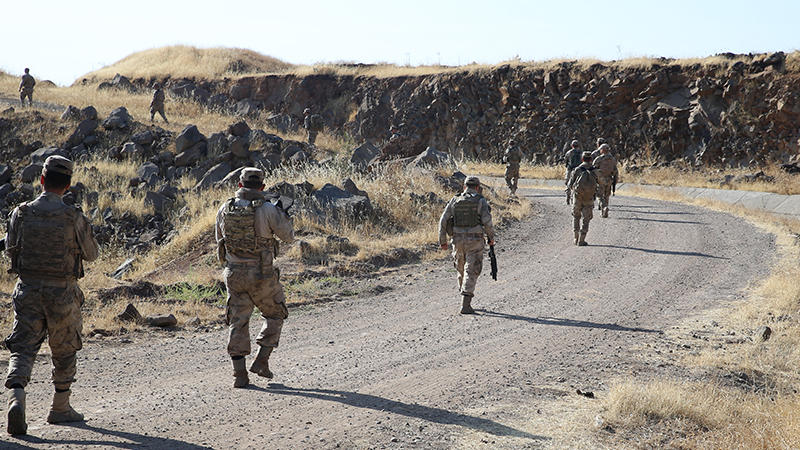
{"points": [[395, 366]]}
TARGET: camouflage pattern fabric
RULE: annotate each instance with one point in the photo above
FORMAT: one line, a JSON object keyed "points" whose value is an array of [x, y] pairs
{"points": [[157, 104], [249, 288], [45, 312], [26, 85], [467, 252], [607, 170]]}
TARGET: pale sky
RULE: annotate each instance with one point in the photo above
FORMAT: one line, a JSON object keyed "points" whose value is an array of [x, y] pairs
{"points": [[61, 40]]}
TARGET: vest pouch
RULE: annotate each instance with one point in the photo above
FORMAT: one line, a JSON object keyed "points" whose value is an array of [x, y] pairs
{"points": [[266, 262]]}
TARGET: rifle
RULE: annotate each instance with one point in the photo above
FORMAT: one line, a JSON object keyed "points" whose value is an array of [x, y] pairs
{"points": [[569, 199], [2, 244], [493, 259], [614, 186]]}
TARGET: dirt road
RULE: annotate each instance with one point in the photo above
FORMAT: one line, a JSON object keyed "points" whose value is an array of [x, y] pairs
{"points": [[402, 369]]}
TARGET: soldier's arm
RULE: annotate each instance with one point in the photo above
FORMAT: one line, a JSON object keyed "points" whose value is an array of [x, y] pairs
{"points": [[446, 215], [486, 220], [218, 224], [11, 234], [279, 223], [90, 250]]}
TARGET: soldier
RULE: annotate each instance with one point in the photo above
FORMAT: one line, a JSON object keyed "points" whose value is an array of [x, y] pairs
{"points": [[157, 104], [596, 152], [246, 230], [512, 158], [583, 183], [572, 159], [607, 176], [466, 218], [47, 243], [26, 85], [314, 124]]}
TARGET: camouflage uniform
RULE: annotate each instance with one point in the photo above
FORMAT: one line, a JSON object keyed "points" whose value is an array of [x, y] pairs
{"points": [[157, 104], [467, 243], [312, 125], [26, 85], [607, 174], [250, 277], [512, 158], [47, 241], [582, 202]]}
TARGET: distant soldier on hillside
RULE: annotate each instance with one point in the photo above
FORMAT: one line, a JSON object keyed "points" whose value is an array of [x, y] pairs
{"points": [[157, 104], [512, 157], [26, 85], [314, 124]]}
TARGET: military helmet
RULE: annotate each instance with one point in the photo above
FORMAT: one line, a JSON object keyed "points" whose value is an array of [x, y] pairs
{"points": [[600, 141], [604, 148], [156, 85], [575, 143]]}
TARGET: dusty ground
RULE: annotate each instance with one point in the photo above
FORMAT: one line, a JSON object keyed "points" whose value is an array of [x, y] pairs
{"points": [[397, 367]]}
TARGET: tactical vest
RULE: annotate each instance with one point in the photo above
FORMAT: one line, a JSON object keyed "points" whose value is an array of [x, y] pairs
{"points": [[465, 210], [607, 165], [47, 246], [240, 229], [514, 156], [575, 159]]}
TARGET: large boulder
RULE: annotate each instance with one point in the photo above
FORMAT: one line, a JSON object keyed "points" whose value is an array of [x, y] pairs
{"points": [[188, 90], [213, 176], [431, 158], [190, 156], [239, 129], [239, 92], [146, 170], [43, 153], [160, 202], [340, 203], [131, 150], [89, 113], [71, 113], [246, 107], [6, 172], [143, 138], [31, 173], [119, 118], [84, 129], [238, 146], [217, 144], [187, 138], [363, 155]]}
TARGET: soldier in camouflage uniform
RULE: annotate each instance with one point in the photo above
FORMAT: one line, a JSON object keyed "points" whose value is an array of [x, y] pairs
{"points": [[512, 157], [583, 184], [47, 243], [467, 217], [572, 159], [246, 230], [314, 124], [607, 176], [157, 104], [596, 152], [26, 85]]}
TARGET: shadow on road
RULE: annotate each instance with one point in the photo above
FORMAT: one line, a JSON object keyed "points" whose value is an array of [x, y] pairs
{"points": [[660, 252], [381, 404], [567, 322], [661, 220], [126, 440]]}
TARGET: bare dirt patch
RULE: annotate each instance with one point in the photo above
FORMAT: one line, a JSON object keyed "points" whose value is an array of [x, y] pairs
{"points": [[395, 366]]}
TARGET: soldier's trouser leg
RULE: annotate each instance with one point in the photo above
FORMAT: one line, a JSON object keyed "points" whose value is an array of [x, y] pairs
{"points": [[312, 136], [51, 312], [238, 310], [468, 259], [163, 116], [586, 216]]}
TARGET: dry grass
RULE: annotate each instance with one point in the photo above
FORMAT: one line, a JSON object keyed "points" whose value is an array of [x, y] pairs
{"points": [[181, 61]]}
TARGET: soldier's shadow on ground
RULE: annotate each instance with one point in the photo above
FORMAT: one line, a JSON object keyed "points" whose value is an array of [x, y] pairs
{"points": [[126, 440], [642, 219], [567, 322], [661, 252], [381, 404]]}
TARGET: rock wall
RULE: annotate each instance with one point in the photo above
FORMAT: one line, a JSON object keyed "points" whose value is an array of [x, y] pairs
{"points": [[725, 115]]}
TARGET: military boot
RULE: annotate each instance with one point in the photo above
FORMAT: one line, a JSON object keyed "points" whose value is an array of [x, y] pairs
{"points": [[582, 240], [240, 378], [16, 412], [576, 238], [605, 212], [61, 411], [466, 307], [261, 365]]}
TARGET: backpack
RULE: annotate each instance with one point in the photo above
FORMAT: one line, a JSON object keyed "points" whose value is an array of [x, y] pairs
{"points": [[317, 124], [465, 211], [607, 164], [585, 185]]}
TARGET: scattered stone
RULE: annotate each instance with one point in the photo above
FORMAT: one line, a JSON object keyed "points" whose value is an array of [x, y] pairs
{"points": [[123, 268], [131, 314], [763, 333], [161, 320]]}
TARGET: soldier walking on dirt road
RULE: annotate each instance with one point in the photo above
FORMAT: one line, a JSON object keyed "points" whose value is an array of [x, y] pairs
{"points": [[466, 218], [572, 159], [47, 242], [26, 85], [607, 176], [246, 230], [512, 157], [583, 183]]}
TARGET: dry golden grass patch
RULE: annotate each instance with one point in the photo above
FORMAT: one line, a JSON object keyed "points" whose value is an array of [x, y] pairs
{"points": [[182, 61]]}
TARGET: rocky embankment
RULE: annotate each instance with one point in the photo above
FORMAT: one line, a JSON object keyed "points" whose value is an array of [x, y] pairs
{"points": [[727, 114]]}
